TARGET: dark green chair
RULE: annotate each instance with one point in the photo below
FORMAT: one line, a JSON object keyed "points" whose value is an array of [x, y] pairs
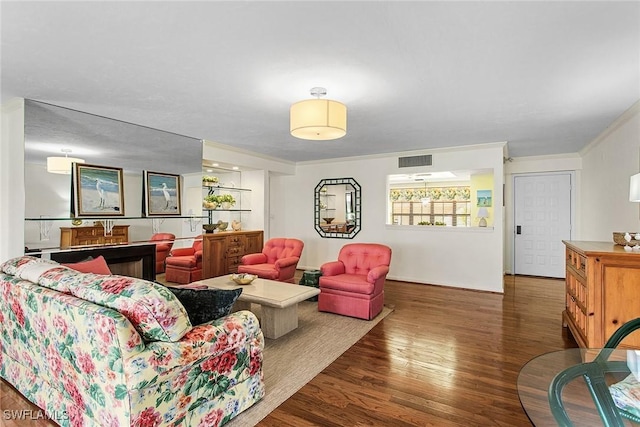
{"points": [[594, 376]]}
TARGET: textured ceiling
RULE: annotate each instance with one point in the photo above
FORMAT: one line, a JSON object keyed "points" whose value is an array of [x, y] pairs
{"points": [[547, 77]]}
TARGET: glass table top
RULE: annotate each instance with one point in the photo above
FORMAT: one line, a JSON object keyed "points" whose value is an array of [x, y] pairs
{"points": [[536, 376]]}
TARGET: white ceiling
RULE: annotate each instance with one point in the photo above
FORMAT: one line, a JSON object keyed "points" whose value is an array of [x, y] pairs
{"points": [[547, 77]]}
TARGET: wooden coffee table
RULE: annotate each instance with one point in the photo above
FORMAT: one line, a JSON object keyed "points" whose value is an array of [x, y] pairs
{"points": [[279, 301]]}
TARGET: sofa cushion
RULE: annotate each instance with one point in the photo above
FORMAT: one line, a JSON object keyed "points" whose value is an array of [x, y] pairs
{"points": [[44, 272], [205, 305], [27, 267], [153, 310], [94, 265]]}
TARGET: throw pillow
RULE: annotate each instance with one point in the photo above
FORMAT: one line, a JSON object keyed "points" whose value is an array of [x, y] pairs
{"points": [[205, 305], [96, 266]]}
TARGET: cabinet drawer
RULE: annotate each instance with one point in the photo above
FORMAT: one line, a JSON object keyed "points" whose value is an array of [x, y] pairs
{"points": [[88, 241], [233, 241], [578, 262], [119, 231], [577, 288], [86, 232], [233, 263], [235, 251], [114, 239]]}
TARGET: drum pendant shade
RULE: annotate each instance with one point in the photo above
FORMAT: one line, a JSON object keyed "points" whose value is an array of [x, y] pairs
{"points": [[318, 119]]}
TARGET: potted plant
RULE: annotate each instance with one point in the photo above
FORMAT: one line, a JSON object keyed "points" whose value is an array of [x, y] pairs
{"points": [[226, 200], [209, 180], [211, 201]]}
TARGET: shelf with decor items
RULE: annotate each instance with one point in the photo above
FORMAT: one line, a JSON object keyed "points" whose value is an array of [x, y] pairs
{"points": [[327, 208], [222, 251], [225, 204], [602, 279]]}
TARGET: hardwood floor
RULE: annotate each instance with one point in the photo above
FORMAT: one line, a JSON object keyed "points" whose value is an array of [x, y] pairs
{"points": [[444, 357]]}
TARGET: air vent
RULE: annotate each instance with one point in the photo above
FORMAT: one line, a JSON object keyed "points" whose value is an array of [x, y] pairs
{"points": [[412, 161]]}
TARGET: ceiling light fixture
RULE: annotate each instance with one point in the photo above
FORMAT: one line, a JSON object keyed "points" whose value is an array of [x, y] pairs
{"points": [[318, 119], [62, 165]]}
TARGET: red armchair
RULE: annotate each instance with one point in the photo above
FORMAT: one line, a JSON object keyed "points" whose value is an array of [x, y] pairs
{"points": [[164, 243], [278, 260], [354, 284], [184, 265]]}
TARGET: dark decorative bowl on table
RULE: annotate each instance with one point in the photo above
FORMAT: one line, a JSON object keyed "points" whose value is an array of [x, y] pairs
{"points": [[209, 228], [243, 278], [328, 220]]}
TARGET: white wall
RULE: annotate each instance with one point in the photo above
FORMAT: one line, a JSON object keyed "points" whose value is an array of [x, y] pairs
{"points": [[607, 164], [459, 257], [12, 180]]}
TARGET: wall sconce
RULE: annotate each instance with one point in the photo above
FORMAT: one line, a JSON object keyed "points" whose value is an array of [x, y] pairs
{"points": [[483, 214], [634, 188]]}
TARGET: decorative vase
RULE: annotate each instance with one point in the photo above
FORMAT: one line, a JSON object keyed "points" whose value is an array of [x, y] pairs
{"points": [[226, 205]]}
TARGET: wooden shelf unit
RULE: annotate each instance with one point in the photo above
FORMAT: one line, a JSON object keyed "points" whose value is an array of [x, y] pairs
{"points": [[602, 292], [222, 252], [92, 235]]}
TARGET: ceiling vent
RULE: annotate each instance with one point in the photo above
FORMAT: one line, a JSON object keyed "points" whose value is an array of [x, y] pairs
{"points": [[412, 161]]}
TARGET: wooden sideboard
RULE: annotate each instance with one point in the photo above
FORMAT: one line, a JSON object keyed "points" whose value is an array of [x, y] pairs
{"points": [[602, 292], [92, 235], [222, 252]]}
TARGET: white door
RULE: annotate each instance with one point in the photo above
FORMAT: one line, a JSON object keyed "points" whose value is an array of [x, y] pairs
{"points": [[542, 213]]}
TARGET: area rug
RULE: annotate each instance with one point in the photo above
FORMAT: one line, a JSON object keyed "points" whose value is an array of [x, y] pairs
{"points": [[296, 358]]}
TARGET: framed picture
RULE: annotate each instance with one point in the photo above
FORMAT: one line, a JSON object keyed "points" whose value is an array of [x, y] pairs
{"points": [[161, 194], [484, 198], [97, 191]]}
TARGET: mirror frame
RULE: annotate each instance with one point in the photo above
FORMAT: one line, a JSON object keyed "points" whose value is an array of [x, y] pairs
{"points": [[357, 202]]}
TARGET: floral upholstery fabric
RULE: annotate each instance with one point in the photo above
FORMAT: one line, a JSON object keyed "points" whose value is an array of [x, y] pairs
{"points": [[89, 365], [153, 309], [626, 395]]}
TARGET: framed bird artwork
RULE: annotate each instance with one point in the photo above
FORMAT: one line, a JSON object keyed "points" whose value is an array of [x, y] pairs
{"points": [[97, 191], [161, 194]]}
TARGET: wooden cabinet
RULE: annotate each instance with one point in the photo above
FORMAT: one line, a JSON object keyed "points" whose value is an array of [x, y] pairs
{"points": [[602, 292], [222, 252], [92, 235]]}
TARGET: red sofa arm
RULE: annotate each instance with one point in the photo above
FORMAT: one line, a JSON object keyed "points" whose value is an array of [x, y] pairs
{"points": [[251, 259], [198, 255], [163, 247], [332, 268], [286, 262], [377, 273], [182, 252]]}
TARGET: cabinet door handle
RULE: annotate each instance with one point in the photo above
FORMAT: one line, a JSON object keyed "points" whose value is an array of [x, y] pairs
{"points": [[518, 229]]}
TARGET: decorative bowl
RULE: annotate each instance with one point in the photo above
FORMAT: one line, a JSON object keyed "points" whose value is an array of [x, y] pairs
{"points": [[243, 278], [328, 220], [209, 227]]}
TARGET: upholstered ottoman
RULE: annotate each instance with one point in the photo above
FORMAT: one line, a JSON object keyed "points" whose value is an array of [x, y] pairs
{"points": [[182, 269]]}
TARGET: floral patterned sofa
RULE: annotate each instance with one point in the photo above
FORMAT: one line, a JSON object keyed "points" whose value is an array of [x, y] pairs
{"points": [[118, 351]]}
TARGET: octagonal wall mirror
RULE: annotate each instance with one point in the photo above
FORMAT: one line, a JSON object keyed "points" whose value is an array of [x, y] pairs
{"points": [[337, 208]]}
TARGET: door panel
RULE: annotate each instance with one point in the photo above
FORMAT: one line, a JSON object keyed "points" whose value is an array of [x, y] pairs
{"points": [[542, 208]]}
